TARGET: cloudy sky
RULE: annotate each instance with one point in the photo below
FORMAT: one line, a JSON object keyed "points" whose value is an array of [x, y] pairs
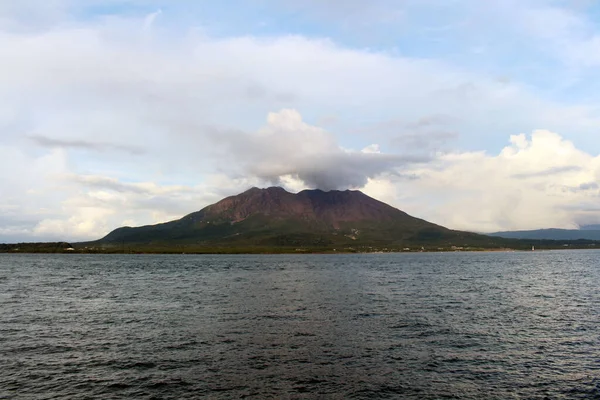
{"points": [[477, 115]]}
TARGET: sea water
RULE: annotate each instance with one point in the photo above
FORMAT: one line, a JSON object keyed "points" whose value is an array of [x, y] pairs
{"points": [[522, 325]]}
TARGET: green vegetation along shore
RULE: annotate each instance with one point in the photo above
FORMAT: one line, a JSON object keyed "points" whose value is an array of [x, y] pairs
{"points": [[85, 248]]}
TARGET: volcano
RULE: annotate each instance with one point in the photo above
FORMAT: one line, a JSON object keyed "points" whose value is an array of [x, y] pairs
{"points": [[276, 218]]}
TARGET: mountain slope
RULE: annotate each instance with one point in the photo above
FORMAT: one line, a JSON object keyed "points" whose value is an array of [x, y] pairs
{"points": [[275, 217]]}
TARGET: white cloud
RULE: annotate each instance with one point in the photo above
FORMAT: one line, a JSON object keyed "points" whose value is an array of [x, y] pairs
{"points": [[103, 124], [150, 18], [95, 205], [288, 146], [538, 181]]}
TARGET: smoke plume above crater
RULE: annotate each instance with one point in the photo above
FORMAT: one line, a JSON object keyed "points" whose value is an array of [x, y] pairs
{"points": [[289, 147]]}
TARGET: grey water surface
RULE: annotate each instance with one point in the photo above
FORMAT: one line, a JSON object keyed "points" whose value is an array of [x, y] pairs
{"points": [[523, 325]]}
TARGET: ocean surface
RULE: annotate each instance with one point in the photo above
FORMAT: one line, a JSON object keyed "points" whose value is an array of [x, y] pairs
{"points": [[522, 325]]}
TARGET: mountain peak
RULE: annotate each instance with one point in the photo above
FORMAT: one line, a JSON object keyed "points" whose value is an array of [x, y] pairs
{"points": [[274, 189], [331, 208], [270, 188], [330, 191], [274, 216]]}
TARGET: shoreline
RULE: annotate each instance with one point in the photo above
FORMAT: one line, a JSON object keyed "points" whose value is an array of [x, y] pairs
{"points": [[284, 252]]}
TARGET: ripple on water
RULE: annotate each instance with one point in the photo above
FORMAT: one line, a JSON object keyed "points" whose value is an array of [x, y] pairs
{"points": [[421, 326]]}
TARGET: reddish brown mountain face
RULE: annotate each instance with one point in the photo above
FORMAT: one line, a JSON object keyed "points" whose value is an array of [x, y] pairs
{"points": [[331, 207], [273, 201], [276, 217]]}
